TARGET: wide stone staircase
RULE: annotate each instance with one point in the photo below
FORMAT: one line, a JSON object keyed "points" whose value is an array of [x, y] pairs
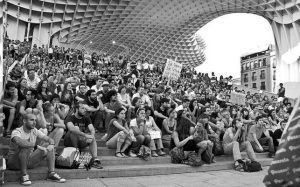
{"points": [[125, 167]]}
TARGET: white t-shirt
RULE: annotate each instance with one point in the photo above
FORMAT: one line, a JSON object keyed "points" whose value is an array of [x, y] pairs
{"points": [[146, 65], [151, 66], [30, 137], [96, 89], [50, 50], [145, 98]]}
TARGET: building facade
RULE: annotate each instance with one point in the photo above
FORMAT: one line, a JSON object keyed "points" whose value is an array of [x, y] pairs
{"points": [[258, 70]]}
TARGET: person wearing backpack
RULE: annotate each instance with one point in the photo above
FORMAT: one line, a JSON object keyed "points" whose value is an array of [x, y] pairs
{"points": [[24, 154], [234, 141]]}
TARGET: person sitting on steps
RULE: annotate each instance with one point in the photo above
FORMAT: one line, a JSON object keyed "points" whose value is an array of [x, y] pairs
{"points": [[24, 154], [234, 141], [81, 132], [118, 135]]}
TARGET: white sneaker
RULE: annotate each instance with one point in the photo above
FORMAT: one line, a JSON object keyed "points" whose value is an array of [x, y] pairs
{"points": [[25, 180], [131, 154]]}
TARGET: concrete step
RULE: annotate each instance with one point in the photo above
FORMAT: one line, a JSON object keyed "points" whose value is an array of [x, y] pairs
{"points": [[102, 151], [40, 173]]}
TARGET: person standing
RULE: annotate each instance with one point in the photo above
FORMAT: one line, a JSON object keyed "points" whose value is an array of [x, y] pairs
{"points": [[281, 91]]}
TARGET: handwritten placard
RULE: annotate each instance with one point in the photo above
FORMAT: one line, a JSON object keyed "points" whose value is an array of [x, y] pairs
{"points": [[237, 98], [172, 70]]}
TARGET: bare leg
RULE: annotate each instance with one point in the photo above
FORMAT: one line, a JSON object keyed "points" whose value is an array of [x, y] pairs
{"points": [[56, 135], [93, 148], [11, 118], [202, 147], [126, 144]]}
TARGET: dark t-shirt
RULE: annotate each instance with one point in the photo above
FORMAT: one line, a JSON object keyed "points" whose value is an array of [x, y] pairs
{"points": [[90, 83], [94, 104], [158, 120], [104, 97], [81, 96], [82, 123], [112, 129]]}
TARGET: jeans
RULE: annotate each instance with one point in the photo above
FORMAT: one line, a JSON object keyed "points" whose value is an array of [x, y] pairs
{"points": [[140, 140], [234, 148], [264, 141]]}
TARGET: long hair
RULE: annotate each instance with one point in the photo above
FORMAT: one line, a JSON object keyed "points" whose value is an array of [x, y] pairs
{"points": [[234, 122], [242, 113], [183, 126]]}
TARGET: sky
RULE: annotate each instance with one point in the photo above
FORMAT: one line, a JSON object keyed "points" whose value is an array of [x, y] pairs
{"points": [[229, 37]]}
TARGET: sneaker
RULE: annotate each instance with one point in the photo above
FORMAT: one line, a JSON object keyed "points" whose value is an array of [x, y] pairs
{"points": [[119, 155], [161, 153], [55, 177], [154, 154], [131, 154], [97, 164], [25, 180]]}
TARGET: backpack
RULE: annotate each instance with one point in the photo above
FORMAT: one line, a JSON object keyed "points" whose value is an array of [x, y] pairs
{"points": [[193, 160], [177, 155], [251, 166], [144, 153], [68, 159]]}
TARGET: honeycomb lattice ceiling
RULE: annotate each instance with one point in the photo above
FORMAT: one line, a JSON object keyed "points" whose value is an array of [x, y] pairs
{"points": [[152, 29]]}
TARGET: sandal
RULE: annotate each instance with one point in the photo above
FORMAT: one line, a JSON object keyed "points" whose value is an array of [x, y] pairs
{"points": [[119, 155], [238, 166], [124, 155]]}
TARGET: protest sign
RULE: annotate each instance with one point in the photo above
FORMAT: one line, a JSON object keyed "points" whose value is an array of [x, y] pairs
{"points": [[237, 98], [172, 70]]}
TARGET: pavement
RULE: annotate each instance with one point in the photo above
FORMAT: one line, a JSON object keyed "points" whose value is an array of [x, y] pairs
{"points": [[225, 178]]}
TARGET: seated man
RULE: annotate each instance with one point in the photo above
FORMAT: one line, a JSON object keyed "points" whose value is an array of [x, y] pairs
{"points": [[23, 156], [81, 132], [10, 101], [256, 138]]}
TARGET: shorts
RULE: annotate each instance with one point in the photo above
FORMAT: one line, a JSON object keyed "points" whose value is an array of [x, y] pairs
{"points": [[34, 159]]}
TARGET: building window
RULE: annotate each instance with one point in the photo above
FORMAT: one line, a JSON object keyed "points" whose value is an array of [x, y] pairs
{"points": [[274, 74], [254, 76], [254, 85], [264, 62], [247, 66], [246, 77], [262, 74], [263, 86], [246, 85], [252, 65]]}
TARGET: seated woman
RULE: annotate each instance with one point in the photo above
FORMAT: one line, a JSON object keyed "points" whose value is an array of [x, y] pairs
{"points": [[155, 134], [124, 99], [55, 126], [182, 142], [137, 126], [169, 126], [118, 135], [234, 141], [204, 144]]}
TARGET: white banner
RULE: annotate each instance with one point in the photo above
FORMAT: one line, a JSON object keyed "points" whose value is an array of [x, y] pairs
{"points": [[172, 70], [237, 98]]}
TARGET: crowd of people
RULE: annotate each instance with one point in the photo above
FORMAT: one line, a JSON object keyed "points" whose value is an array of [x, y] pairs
{"points": [[58, 93]]}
